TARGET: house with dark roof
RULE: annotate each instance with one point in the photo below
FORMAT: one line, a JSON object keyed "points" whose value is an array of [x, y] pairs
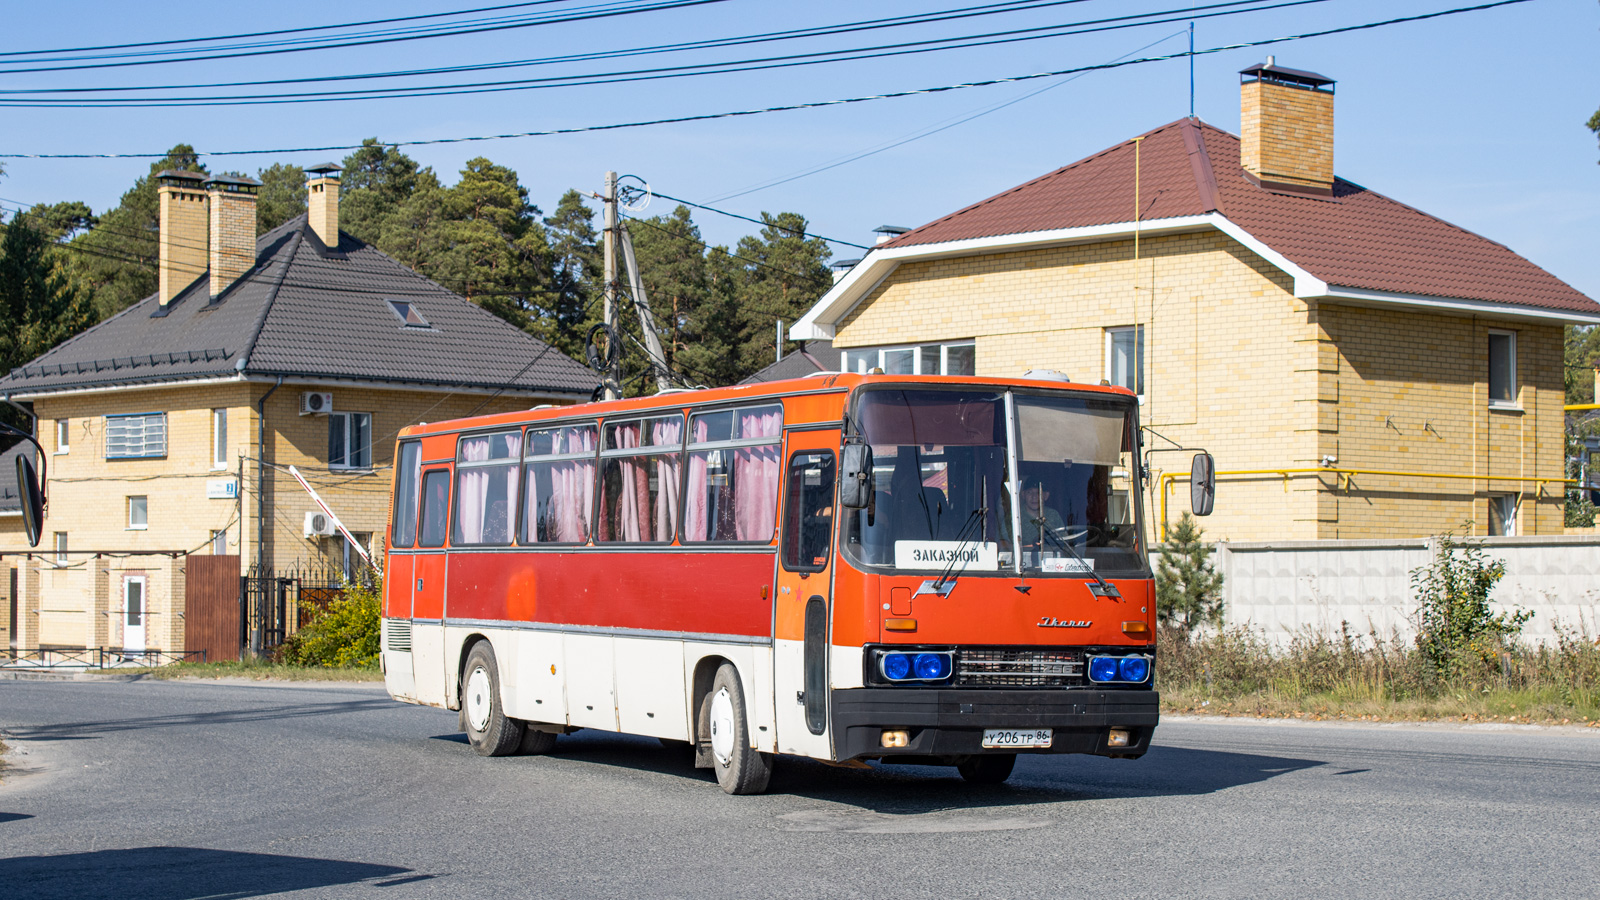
{"points": [[1359, 368], [171, 427]]}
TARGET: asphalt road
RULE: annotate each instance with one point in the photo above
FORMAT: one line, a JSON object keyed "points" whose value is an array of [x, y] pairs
{"points": [[188, 790]]}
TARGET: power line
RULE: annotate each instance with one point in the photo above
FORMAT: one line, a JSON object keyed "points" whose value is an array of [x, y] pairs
{"points": [[481, 29], [820, 104], [754, 262], [659, 73], [762, 222], [761, 37]]}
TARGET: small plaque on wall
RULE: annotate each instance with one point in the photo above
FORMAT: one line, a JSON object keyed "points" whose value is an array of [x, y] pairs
{"points": [[222, 488]]}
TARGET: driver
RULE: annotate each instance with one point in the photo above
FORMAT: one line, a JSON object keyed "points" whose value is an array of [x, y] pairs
{"points": [[1037, 512]]}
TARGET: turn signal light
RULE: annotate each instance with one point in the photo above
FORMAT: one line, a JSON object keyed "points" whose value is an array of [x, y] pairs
{"points": [[1136, 627], [1116, 737], [899, 624], [895, 739]]}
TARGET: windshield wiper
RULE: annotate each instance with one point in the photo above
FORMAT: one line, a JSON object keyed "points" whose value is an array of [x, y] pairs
{"points": [[1104, 588], [946, 579]]}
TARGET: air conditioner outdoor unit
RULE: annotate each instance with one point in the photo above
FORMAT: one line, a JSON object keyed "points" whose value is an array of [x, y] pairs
{"points": [[316, 403], [318, 524]]}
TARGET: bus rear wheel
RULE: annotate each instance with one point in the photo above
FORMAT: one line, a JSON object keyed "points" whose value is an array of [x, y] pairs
{"points": [[988, 769], [740, 768], [488, 729]]}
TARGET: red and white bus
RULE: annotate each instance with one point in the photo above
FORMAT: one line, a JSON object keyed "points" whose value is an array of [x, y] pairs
{"points": [[929, 570]]}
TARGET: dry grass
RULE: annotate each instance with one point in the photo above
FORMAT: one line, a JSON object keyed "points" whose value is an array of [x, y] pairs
{"points": [[261, 671], [1370, 678]]}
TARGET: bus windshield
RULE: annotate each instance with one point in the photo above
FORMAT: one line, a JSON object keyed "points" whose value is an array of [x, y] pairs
{"points": [[943, 494]]}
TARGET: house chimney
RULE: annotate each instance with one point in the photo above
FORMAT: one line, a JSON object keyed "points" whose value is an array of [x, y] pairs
{"points": [[183, 231], [887, 233], [233, 229], [1286, 128], [322, 205]]}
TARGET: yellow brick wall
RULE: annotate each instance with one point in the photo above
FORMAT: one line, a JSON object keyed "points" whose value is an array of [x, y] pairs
{"points": [[1286, 134], [183, 256], [232, 238], [1238, 365]]}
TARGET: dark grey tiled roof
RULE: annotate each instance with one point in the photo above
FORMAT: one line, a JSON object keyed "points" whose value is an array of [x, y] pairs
{"points": [[308, 311], [817, 356]]}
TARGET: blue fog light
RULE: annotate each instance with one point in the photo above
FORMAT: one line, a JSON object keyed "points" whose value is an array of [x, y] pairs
{"points": [[932, 666], [1134, 668], [896, 666], [1102, 668]]}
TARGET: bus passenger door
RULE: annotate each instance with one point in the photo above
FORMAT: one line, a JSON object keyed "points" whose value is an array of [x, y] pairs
{"points": [[804, 587], [427, 597]]}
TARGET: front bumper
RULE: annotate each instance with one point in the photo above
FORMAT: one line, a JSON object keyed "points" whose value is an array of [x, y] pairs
{"points": [[950, 723]]}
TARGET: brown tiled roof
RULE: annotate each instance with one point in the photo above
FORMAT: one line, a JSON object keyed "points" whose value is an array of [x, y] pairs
{"points": [[1356, 239]]}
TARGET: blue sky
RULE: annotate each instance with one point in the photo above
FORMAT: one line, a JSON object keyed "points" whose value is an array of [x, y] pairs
{"points": [[1476, 118]]}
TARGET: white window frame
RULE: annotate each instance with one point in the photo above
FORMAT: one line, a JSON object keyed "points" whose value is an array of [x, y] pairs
{"points": [[219, 439], [63, 436], [343, 420], [1511, 525], [152, 434], [865, 359], [219, 542], [61, 548], [139, 502], [1516, 390], [1141, 377]]}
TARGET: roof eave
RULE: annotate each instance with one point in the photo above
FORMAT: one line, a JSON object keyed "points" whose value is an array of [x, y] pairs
{"points": [[1355, 296]]}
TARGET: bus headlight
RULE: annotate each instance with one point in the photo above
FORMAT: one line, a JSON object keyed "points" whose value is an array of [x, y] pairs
{"points": [[1119, 669], [914, 665]]}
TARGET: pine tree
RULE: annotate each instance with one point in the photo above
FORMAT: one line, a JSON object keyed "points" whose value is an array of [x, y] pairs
{"points": [[1188, 589], [282, 195]]}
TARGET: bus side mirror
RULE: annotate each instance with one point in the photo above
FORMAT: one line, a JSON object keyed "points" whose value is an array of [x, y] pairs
{"points": [[32, 499], [1202, 484], [855, 481]]}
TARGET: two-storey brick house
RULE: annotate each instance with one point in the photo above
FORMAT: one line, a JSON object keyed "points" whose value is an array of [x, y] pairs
{"points": [[172, 425], [1360, 369]]}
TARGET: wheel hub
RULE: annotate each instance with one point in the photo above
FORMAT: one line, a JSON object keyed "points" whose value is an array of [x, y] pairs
{"points": [[722, 727], [478, 699]]}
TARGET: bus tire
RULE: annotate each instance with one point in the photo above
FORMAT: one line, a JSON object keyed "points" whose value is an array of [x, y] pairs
{"points": [[488, 729], [987, 769], [536, 742], [740, 768]]}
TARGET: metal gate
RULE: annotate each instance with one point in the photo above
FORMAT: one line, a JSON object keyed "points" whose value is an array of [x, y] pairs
{"points": [[265, 601], [211, 614]]}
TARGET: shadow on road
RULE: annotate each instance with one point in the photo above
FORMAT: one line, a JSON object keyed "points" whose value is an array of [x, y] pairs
{"points": [[80, 731], [915, 790], [13, 817], [181, 873]]}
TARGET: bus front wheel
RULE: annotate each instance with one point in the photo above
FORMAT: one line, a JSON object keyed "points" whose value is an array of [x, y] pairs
{"points": [[740, 768], [488, 730], [990, 769]]}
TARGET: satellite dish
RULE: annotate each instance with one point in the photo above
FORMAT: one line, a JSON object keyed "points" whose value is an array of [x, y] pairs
{"points": [[32, 499], [633, 198]]}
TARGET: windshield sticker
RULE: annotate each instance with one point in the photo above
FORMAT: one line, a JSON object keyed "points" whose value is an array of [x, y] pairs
{"points": [[1064, 564], [959, 555]]}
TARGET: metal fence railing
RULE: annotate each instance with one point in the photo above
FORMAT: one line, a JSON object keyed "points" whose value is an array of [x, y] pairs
{"points": [[94, 658]]}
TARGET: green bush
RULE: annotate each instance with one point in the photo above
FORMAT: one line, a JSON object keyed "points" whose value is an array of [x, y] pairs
{"points": [[345, 635], [1456, 631]]}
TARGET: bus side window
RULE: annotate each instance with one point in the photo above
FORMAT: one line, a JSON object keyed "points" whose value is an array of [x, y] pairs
{"points": [[435, 507], [808, 513], [405, 495]]}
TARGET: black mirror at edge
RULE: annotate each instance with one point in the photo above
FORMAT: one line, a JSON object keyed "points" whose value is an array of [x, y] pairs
{"points": [[32, 499]]}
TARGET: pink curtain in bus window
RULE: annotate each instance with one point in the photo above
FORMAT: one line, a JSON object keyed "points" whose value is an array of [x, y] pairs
{"points": [[755, 501], [667, 433], [694, 516], [634, 495], [573, 486], [504, 514], [473, 493]]}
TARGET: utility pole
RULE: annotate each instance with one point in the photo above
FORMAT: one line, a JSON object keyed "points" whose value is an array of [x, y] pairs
{"points": [[609, 377]]}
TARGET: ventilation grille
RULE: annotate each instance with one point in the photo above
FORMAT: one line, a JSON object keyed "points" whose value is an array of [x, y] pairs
{"points": [[397, 634], [1018, 667]]}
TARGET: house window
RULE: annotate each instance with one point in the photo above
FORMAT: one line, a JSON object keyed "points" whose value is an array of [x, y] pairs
{"points": [[350, 440], [140, 436], [1503, 514], [353, 563], [1125, 357], [957, 358], [138, 513], [219, 439], [219, 543], [61, 546], [1502, 368], [63, 436], [407, 312]]}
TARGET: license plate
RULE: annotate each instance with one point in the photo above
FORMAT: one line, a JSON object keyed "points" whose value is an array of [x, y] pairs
{"points": [[1009, 737]]}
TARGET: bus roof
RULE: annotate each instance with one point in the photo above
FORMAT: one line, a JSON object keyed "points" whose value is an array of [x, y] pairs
{"points": [[821, 382]]}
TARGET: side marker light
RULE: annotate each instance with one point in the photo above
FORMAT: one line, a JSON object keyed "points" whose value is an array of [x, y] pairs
{"points": [[899, 624], [1140, 627]]}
